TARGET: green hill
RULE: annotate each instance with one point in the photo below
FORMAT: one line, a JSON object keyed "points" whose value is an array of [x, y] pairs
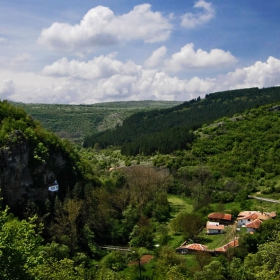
{"points": [[74, 122], [170, 129]]}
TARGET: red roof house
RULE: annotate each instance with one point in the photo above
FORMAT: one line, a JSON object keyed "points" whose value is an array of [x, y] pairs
{"points": [[214, 228], [251, 227], [232, 244], [221, 218]]}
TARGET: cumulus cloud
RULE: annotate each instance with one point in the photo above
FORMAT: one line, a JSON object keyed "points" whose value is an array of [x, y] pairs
{"points": [[156, 59], [6, 89], [190, 20], [105, 78], [188, 58], [111, 79], [260, 74], [97, 68], [100, 26]]}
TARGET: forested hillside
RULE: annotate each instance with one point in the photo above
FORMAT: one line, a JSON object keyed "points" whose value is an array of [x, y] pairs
{"points": [[141, 204], [170, 129], [74, 122]]}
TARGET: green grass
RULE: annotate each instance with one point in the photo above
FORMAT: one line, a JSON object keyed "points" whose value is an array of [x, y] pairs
{"points": [[176, 241], [214, 241], [264, 206], [179, 204], [132, 271], [231, 205]]}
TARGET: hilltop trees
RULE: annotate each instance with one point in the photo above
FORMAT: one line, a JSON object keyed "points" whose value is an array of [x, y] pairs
{"points": [[171, 129]]}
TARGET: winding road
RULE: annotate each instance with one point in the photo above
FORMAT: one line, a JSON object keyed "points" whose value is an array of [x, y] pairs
{"points": [[264, 199]]}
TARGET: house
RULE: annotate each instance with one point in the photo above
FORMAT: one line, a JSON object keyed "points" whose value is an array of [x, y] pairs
{"points": [[246, 217], [189, 248], [221, 218], [232, 244], [214, 228], [251, 227]]}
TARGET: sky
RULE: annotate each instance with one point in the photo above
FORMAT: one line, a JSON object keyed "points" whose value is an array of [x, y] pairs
{"points": [[85, 52]]}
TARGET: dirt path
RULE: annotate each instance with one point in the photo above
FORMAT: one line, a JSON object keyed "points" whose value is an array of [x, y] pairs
{"points": [[144, 259], [264, 199]]}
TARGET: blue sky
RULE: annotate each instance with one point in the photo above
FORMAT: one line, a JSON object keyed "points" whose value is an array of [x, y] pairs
{"points": [[76, 52]]}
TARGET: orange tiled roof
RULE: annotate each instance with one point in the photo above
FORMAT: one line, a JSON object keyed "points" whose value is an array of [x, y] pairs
{"points": [[220, 216], [209, 226], [252, 216], [196, 247], [255, 215], [232, 244], [255, 224], [246, 213], [263, 217]]}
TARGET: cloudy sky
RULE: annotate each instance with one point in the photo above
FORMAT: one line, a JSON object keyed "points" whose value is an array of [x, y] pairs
{"points": [[76, 52]]}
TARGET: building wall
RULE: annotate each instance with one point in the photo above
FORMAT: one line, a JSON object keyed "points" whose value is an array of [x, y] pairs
{"points": [[214, 231]]}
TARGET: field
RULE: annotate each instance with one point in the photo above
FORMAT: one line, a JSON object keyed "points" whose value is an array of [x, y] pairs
{"points": [[179, 204]]}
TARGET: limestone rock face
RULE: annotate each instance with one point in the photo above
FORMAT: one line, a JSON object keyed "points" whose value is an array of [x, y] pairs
{"points": [[26, 178]]}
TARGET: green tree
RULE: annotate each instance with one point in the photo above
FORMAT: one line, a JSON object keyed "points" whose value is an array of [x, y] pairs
{"points": [[189, 224], [57, 270], [19, 247], [265, 264], [213, 271], [142, 234], [65, 227], [166, 259]]}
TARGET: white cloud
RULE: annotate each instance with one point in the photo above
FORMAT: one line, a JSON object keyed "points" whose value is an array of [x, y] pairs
{"points": [[260, 74], [101, 27], [190, 20], [188, 58], [156, 59], [6, 89], [97, 68], [20, 58], [105, 78]]}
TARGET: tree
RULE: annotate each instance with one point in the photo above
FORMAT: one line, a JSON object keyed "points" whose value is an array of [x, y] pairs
{"points": [[142, 234], [65, 225], [57, 270], [265, 264], [136, 255], [236, 269], [213, 271], [189, 224], [19, 247], [166, 259], [173, 273], [202, 258]]}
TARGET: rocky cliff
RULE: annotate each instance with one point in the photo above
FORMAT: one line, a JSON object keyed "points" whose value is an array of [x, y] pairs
{"points": [[25, 177]]}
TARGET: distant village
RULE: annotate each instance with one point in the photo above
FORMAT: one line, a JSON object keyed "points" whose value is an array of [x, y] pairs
{"points": [[216, 224]]}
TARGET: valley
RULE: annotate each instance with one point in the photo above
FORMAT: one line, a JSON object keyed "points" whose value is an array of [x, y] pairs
{"points": [[139, 197]]}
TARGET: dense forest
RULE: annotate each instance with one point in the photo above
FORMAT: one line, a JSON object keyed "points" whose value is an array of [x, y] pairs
{"points": [[171, 129], [142, 206]]}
